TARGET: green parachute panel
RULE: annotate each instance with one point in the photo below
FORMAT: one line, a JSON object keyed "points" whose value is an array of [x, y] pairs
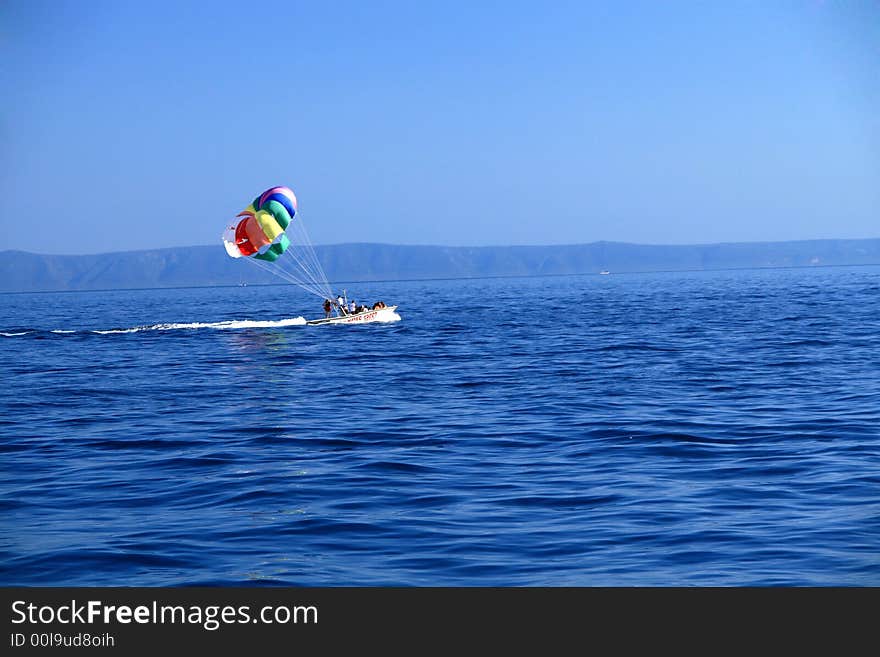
{"points": [[269, 255], [273, 252]]}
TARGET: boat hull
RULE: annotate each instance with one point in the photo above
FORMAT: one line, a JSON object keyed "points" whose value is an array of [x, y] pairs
{"points": [[385, 314]]}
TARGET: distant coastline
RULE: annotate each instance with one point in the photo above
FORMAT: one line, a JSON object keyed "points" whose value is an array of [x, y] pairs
{"points": [[209, 265]]}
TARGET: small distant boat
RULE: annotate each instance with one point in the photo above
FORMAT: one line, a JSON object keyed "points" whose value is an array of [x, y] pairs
{"points": [[604, 271], [385, 314]]}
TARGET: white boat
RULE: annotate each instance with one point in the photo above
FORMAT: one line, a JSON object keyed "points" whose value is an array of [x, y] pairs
{"points": [[385, 314]]}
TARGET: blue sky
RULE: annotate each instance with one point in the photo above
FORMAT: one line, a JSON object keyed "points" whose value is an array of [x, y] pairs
{"points": [[130, 125]]}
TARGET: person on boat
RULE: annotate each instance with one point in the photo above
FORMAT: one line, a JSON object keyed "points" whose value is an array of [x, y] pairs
{"points": [[353, 308], [340, 303], [327, 307], [378, 305]]}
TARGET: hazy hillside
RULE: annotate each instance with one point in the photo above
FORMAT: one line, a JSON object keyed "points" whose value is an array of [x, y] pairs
{"points": [[209, 265]]}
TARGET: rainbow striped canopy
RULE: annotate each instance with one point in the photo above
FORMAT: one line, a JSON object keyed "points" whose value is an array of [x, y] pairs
{"points": [[258, 230]]}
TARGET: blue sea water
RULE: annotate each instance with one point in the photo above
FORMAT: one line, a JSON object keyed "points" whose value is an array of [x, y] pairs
{"points": [[705, 428]]}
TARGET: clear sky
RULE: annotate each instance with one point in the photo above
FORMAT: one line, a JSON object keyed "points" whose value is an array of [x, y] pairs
{"points": [[127, 125]]}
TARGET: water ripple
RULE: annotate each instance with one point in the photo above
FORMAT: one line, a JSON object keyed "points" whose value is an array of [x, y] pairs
{"points": [[675, 429]]}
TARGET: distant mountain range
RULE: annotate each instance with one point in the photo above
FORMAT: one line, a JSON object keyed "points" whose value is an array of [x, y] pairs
{"points": [[209, 265]]}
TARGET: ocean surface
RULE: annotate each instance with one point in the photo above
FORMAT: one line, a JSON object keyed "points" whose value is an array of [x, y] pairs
{"points": [[674, 429]]}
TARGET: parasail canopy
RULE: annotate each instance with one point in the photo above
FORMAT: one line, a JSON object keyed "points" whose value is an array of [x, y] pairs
{"points": [[259, 231], [268, 229]]}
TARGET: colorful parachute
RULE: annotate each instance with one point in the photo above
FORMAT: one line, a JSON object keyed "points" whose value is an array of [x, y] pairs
{"points": [[260, 231], [266, 230]]}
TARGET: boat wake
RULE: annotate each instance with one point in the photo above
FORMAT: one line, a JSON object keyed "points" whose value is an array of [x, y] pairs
{"points": [[227, 325], [231, 324], [384, 315]]}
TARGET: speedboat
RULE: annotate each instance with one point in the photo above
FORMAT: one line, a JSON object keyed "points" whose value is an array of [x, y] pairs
{"points": [[385, 314]]}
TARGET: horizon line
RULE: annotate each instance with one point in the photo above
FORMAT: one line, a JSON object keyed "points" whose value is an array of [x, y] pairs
{"points": [[446, 246], [448, 278]]}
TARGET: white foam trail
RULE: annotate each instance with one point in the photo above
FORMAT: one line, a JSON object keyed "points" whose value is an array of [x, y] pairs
{"points": [[387, 316], [382, 316], [231, 324]]}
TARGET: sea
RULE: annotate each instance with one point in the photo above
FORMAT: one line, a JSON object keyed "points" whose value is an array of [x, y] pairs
{"points": [[647, 429]]}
